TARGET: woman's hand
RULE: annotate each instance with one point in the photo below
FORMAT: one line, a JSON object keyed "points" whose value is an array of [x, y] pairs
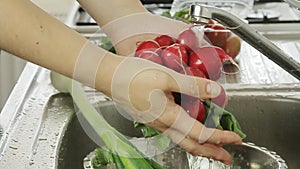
{"points": [[143, 89]]}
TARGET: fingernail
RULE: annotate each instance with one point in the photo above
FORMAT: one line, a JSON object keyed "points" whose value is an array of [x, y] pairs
{"points": [[213, 89]]}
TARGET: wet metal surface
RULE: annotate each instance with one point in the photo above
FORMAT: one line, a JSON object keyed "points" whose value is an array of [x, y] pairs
{"points": [[44, 133], [31, 137], [269, 117]]}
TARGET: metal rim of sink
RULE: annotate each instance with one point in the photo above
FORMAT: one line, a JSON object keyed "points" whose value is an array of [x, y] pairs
{"points": [[87, 161]]}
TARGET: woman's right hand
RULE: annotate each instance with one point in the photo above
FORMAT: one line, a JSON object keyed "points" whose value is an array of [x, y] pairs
{"points": [[143, 89]]}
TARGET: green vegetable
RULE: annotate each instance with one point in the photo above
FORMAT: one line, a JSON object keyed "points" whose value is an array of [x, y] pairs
{"points": [[162, 141], [103, 157], [118, 161], [147, 131], [114, 140], [105, 43], [181, 15], [222, 119]]}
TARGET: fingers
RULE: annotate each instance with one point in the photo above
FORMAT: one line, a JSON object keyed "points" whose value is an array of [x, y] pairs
{"points": [[177, 118], [193, 136], [194, 86], [221, 137], [205, 150]]}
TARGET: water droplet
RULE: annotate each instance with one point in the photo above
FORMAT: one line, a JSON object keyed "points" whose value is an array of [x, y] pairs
{"points": [[42, 139], [31, 162], [13, 147]]}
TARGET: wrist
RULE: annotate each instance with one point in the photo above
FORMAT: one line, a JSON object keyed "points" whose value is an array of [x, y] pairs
{"points": [[105, 73], [94, 67]]}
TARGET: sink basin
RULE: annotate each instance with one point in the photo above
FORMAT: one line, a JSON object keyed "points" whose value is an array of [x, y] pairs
{"points": [[269, 117], [41, 130]]}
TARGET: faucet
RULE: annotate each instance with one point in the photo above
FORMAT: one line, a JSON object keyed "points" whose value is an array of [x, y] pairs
{"points": [[201, 14], [294, 3]]}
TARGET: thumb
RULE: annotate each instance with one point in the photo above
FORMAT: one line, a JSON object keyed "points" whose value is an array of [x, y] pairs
{"points": [[194, 86]]}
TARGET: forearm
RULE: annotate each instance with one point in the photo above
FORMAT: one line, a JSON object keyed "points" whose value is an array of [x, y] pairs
{"points": [[30, 33]]}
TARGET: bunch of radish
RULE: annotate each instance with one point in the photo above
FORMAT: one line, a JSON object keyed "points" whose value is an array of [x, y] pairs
{"points": [[187, 55]]}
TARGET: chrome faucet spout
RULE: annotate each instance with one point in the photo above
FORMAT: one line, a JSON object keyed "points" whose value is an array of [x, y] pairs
{"points": [[202, 13]]}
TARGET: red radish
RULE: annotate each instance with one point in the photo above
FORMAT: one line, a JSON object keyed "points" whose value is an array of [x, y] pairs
{"points": [[210, 23], [190, 38], [207, 60], [192, 105], [221, 53], [152, 56], [175, 56], [224, 57], [195, 108], [192, 71], [148, 45], [217, 35], [232, 46], [164, 40], [220, 100], [196, 62]]}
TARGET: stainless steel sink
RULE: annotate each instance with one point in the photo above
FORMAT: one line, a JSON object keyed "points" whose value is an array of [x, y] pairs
{"points": [[269, 117], [41, 130]]}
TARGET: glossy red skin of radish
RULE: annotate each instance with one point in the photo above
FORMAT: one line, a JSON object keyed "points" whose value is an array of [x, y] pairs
{"points": [[189, 39], [152, 56], [217, 38], [196, 62], [175, 57], [192, 71], [192, 105], [164, 40], [221, 53], [232, 46], [207, 60], [195, 108], [210, 23], [148, 45]]}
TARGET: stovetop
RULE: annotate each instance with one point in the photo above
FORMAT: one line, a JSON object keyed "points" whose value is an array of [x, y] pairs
{"points": [[265, 12]]}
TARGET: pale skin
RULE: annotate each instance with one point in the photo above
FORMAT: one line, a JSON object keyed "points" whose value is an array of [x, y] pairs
{"points": [[31, 34]]}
